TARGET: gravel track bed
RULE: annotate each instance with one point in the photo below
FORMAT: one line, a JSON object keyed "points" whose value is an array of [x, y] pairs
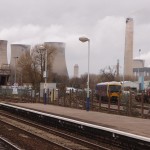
{"points": [[36, 144]]}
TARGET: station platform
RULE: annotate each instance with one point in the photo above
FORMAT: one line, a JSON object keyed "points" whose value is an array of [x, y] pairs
{"points": [[132, 125]]}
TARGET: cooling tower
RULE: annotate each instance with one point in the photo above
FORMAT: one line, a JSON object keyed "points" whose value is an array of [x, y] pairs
{"points": [[3, 53], [59, 62], [128, 55], [17, 50], [4, 67]]}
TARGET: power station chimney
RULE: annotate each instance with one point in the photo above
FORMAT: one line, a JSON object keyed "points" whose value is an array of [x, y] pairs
{"points": [[128, 54], [76, 70]]}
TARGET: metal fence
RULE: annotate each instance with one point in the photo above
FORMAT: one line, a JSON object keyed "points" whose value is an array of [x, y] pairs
{"points": [[21, 95], [126, 105]]}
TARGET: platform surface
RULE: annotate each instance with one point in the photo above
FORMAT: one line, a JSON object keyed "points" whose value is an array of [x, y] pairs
{"points": [[132, 125]]}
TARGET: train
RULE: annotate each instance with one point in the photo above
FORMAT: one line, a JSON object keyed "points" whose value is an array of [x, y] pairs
{"points": [[106, 91]]}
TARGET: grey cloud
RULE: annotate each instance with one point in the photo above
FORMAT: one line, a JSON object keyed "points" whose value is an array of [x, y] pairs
{"points": [[103, 21]]}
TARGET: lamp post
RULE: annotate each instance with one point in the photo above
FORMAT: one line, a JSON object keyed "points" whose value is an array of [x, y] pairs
{"points": [[139, 70], [85, 39], [123, 76], [15, 70], [45, 74]]}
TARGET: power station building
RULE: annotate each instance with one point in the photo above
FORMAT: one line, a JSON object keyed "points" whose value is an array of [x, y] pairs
{"points": [[133, 67], [59, 62]]}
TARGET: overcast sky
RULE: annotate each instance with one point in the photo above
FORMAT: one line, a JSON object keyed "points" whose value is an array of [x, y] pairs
{"points": [[102, 21]]}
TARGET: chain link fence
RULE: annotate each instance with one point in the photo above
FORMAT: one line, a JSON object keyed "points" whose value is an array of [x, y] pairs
{"points": [[126, 104]]}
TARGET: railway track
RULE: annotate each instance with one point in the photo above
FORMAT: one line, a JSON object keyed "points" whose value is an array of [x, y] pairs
{"points": [[24, 144], [5, 145], [58, 138], [108, 138]]}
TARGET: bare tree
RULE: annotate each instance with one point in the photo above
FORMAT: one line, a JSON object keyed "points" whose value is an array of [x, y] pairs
{"points": [[83, 81], [28, 68], [38, 55], [75, 82], [108, 74], [32, 65]]}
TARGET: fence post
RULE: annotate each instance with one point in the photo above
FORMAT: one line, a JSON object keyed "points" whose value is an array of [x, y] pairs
{"points": [[52, 96], [39, 97], [129, 104], [119, 104], [85, 96], [142, 104], [64, 103], [58, 96], [70, 100], [91, 103], [47, 95], [109, 102], [70, 95], [100, 102]]}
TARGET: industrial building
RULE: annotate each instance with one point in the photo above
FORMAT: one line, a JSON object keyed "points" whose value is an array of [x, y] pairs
{"points": [[132, 67]]}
